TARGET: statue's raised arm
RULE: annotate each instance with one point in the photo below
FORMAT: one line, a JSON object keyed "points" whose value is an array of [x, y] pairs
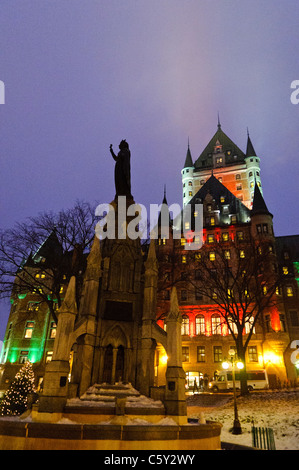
{"points": [[122, 172]]}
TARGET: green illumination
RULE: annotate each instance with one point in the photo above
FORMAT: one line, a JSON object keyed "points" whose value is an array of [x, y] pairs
{"points": [[13, 356], [22, 296]]}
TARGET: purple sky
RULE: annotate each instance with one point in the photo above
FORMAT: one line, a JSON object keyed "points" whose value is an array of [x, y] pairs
{"points": [[82, 74]]}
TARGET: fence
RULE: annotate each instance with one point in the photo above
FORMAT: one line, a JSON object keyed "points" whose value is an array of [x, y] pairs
{"points": [[263, 438]]}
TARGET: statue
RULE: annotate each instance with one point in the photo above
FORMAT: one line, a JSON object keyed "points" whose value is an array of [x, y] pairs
{"points": [[122, 172]]}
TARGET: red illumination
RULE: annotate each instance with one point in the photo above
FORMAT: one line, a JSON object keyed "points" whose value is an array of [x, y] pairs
{"points": [[190, 236], [275, 319]]}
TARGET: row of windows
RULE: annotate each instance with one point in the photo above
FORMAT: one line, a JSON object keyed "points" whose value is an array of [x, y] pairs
{"points": [[217, 354], [288, 290], [202, 326], [29, 328]]}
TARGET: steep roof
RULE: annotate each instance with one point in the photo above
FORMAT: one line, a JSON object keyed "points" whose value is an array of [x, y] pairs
{"points": [[259, 205], [224, 201], [188, 161], [250, 152], [233, 153]]}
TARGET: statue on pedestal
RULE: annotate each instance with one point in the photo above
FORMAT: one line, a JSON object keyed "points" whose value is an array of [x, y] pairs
{"points": [[122, 173]]}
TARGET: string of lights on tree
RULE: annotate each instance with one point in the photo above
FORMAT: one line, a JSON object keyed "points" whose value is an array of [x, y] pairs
{"points": [[15, 400]]}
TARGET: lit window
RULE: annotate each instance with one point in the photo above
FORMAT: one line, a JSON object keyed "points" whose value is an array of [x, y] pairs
{"points": [[240, 235], [212, 256], [222, 199], [220, 179], [184, 259], [214, 295], [183, 241], [225, 236], [185, 354], [185, 325], [61, 290], [49, 355], [201, 355], [23, 357], [195, 214], [248, 325], [53, 328], [197, 257], [265, 290], [212, 221], [252, 184], [227, 254], [252, 354], [242, 254], [209, 207], [289, 291], [187, 225], [217, 353], [29, 329], [233, 219], [200, 325], [190, 193], [285, 270], [216, 325], [210, 238]]}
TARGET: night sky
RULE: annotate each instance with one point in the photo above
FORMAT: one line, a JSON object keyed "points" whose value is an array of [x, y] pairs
{"points": [[80, 75]]}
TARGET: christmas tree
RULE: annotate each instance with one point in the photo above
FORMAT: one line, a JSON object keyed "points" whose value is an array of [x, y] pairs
{"points": [[15, 400]]}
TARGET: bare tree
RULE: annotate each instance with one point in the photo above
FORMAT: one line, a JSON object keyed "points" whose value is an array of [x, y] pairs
{"points": [[41, 254], [240, 279]]}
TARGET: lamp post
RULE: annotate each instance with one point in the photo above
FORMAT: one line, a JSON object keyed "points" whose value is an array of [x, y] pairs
{"points": [[236, 429]]}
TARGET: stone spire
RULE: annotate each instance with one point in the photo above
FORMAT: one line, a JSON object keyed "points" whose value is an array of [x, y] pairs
{"points": [[69, 304]]}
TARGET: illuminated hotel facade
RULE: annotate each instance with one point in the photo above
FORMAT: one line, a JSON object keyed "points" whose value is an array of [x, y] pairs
{"points": [[227, 182]]}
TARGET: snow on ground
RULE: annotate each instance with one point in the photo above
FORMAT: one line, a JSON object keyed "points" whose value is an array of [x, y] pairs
{"points": [[278, 410]]}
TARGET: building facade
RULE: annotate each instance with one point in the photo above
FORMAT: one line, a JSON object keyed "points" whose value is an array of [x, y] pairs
{"points": [[114, 324]]}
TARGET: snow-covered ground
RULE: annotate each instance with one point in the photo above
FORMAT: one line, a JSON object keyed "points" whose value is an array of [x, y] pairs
{"points": [[278, 410]]}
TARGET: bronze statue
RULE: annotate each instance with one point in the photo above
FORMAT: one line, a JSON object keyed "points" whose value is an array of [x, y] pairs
{"points": [[122, 172]]}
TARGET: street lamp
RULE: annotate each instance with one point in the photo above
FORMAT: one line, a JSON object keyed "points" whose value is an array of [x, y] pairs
{"points": [[236, 429]]}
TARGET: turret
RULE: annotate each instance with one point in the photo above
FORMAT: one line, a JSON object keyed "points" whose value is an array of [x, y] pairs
{"points": [[187, 177], [253, 167]]}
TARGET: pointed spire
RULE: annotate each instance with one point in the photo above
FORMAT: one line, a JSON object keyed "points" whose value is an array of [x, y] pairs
{"points": [[174, 312], [250, 152], [219, 125], [259, 205], [188, 160], [151, 261], [69, 304], [94, 261], [164, 198]]}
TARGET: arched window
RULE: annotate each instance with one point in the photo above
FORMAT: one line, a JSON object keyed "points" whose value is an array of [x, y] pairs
{"points": [[185, 325], [200, 327]]}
